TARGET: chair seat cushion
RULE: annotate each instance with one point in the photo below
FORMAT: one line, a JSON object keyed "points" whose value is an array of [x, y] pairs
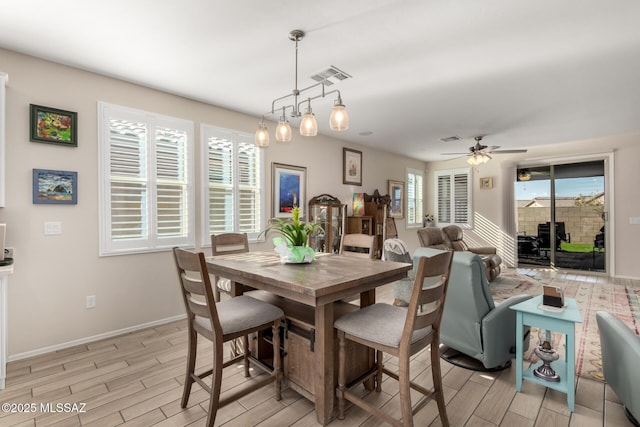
{"points": [[242, 312], [379, 323]]}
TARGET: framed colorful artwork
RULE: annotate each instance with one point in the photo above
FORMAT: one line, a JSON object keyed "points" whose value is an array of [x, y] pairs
{"points": [[351, 166], [53, 126], [288, 189], [396, 193], [55, 187]]}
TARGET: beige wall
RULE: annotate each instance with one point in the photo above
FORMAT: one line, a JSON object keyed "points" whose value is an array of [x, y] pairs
{"points": [[54, 274]]}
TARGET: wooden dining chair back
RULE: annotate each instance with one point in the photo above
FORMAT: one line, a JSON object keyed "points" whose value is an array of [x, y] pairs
{"points": [[220, 322], [227, 244], [358, 245], [400, 332]]}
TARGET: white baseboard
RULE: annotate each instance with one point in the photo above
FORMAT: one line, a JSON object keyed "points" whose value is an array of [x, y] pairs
{"points": [[93, 338]]}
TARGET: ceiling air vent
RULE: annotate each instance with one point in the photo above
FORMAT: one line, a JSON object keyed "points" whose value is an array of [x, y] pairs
{"points": [[450, 138], [330, 76]]}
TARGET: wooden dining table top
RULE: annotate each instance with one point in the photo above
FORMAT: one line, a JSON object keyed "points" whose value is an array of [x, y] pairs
{"points": [[327, 279]]}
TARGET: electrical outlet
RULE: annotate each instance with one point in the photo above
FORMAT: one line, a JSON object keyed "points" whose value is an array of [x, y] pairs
{"points": [[91, 301], [8, 253]]}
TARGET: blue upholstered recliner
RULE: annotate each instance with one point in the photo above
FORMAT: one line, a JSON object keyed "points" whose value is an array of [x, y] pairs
{"points": [[472, 323], [620, 355]]}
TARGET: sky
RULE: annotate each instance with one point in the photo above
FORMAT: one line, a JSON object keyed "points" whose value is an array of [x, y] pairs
{"points": [[569, 187]]}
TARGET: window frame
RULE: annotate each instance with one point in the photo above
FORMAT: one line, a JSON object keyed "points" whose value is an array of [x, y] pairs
{"points": [[237, 137], [419, 201], [152, 242], [452, 173]]}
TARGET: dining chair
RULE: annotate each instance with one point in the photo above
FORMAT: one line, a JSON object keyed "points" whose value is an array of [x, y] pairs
{"points": [[400, 332], [358, 245], [226, 244], [220, 322]]}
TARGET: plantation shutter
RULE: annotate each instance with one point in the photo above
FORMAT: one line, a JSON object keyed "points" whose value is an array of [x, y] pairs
{"points": [[146, 181], [234, 183], [453, 197], [414, 198]]}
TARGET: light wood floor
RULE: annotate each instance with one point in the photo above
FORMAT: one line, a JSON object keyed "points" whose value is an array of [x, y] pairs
{"points": [[136, 380]]}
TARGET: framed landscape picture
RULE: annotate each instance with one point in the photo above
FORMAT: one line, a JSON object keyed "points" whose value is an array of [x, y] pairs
{"points": [[396, 193], [53, 126], [55, 187], [288, 189], [486, 183], [351, 166]]}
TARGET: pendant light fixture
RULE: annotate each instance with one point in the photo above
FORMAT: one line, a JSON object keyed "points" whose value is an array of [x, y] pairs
{"points": [[339, 120]]}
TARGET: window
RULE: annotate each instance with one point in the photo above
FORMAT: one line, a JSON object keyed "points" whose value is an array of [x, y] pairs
{"points": [[233, 183], [146, 181], [453, 197], [414, 198]]}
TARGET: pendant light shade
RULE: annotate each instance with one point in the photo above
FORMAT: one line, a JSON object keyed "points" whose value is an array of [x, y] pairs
{"points": [[283, 130], [339, 119], [261, 137], [309, 125]]}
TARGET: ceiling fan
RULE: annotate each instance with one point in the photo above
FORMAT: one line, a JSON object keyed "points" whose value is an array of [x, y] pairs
{"points": [[480, 153]]}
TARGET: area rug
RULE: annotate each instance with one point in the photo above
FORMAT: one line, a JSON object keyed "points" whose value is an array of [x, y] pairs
{"points": [[592, 294]]}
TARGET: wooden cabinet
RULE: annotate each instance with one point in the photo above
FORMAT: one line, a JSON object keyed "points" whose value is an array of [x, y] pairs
{"points": [[330, 213], [359, 225]]}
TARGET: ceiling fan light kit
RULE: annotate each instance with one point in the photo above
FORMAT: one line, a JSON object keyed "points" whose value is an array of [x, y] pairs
{"points": [[478, 155], [339, 120]]}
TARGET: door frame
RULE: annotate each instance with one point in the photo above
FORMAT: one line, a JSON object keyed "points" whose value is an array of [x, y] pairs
{"points": [[608, 158]]}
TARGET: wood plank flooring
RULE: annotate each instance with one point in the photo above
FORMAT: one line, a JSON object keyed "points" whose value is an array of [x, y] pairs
{"points": [[136, 380]]}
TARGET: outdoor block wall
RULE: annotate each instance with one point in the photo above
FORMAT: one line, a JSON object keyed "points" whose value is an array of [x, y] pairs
{"points": [[581, 222]]}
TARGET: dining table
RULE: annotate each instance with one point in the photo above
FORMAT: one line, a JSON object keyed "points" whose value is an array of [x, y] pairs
{"points": [[319, 284]]}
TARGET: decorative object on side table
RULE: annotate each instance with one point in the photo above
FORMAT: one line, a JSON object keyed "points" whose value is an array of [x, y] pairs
{"points": [[293, 245], [547, 354], [53, 126], [429, 221]]}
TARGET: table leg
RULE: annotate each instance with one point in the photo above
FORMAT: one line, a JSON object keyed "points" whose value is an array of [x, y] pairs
{"points": [[519, 351], [324, 364], [570, 344]]}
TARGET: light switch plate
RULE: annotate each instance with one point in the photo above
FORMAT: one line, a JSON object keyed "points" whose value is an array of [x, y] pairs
{"points": [[52, 228]]}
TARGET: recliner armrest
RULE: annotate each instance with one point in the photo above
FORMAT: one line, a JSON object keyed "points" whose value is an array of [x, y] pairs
{"points": [[499, 331], [483, 250]]}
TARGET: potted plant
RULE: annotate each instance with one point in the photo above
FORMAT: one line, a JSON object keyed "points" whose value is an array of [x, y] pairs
{"points": [[293, 244]]}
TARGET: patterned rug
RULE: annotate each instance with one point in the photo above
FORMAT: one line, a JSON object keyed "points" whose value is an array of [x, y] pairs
{"points": [[592, 294]]}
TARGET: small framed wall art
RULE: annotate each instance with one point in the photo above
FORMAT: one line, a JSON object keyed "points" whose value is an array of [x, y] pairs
{"points": [[53, 126], [55, 187], [486, 183], [351, 166], [396, 192]]}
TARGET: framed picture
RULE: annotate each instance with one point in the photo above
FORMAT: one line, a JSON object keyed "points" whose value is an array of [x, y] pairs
{"points": [[53, 126], [289, 189], [486, 183], [358, 204], [396, 193], [351, 166], [55, 187]]}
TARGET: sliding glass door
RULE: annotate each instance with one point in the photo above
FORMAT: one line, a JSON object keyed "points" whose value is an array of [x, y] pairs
{"points": [[561, 215]]}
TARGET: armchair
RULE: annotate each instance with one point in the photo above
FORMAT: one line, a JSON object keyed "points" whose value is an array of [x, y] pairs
{"points": [[620, 355], [492, 260], [472, 324], [433, 237]]}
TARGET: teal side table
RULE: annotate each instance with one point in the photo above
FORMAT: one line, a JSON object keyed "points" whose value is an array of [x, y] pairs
{"points": [[529, 313]]}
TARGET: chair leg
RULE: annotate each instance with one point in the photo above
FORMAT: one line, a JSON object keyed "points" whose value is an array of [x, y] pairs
{"points": [[191, 364], [216, 382], [245, 354], [405, 390], [379, 366], [436, 372], [277, 363], [341, 374]]}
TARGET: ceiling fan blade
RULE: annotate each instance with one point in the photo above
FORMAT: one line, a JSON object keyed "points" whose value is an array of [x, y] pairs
{"points": [[455, 154], [509, 151]]}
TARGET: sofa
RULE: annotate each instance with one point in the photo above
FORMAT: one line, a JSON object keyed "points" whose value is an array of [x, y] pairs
{"points": [[451, 238]]}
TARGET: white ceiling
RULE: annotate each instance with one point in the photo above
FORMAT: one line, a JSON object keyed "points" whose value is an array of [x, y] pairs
{"points": [[522, 73]]}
